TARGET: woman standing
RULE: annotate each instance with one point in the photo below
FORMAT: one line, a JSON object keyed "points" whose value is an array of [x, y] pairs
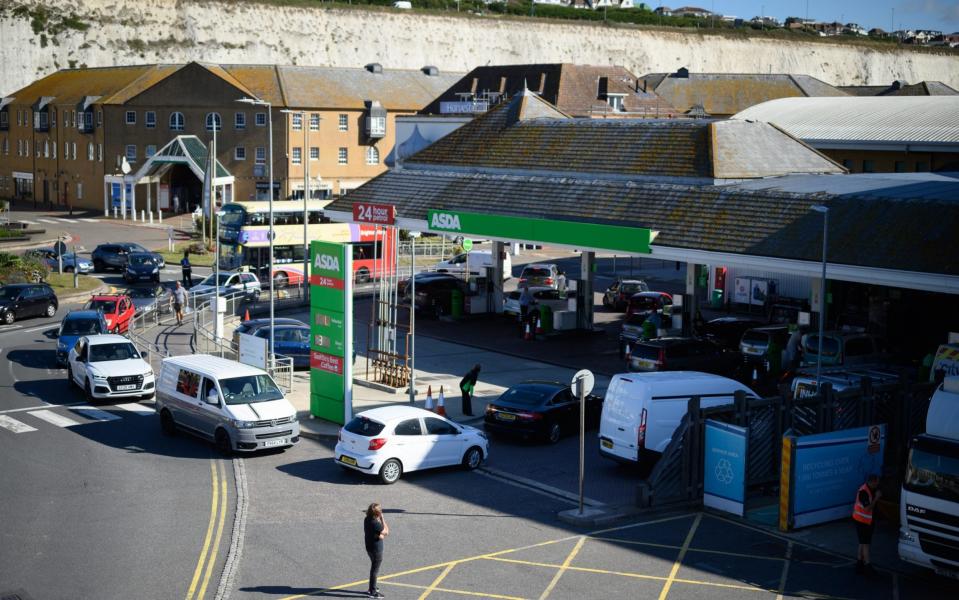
{"points": [[375, 531]]}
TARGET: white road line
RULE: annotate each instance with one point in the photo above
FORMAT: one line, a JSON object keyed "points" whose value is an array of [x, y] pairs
{"points": [[15, 425], [41, 328], [94, 413], [136, 407], [90, 220], [51, 417], [10, 328], [28, 408], [62, 220], [49, 221], [29, 222]]}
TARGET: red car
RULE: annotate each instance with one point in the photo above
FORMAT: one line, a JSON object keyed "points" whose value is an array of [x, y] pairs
{"points": [[647, 302], [117, 310]]}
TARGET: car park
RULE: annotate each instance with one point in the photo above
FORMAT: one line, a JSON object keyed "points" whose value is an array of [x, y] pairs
{"points": [[238, 407], [20, 300], [842, 348], [69, 260], [117, 310], [756, 342], [645, 303], [141, 266], [393, 440], [540, 275], [434, 293], [109, 366], [727, 332], [543, 410], [289, 340], [548, 296], [253, 325], [148, 300], [228, 283], [681, 354], [617, 295], [75, 324]]}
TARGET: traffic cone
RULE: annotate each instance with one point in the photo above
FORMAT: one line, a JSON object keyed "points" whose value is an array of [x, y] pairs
{"points": [[527, 335], [246, 315], [755, 377], [539, 325], [441, 404], [628, 352], [429, 398]]}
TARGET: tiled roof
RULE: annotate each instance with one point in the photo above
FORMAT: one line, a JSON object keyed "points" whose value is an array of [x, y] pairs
{"points": [[865, 230], [923, 88], [71, 86]]}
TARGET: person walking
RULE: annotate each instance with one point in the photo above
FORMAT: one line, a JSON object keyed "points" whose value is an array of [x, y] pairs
{"points": [[525, 300], [862, 513], [375, 531], [561, 281], [179, 299], [187, 269], [467, 385]]}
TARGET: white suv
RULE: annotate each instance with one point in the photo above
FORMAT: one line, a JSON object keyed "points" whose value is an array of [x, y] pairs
{"points": [[109, 366], [230, 282]]}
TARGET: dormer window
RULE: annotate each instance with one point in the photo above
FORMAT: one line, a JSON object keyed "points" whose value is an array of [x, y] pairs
{"points": [[375, 120], [615, 102]]}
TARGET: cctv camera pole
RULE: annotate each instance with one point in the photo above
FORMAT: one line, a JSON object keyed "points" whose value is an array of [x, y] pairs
{"points": [[581, 391]]}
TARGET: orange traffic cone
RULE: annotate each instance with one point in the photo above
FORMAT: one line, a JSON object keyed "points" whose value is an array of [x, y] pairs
{"points": [[246, 315], [629, 352], [527, 335], [539, 325], [429, 398], [441, 404]]}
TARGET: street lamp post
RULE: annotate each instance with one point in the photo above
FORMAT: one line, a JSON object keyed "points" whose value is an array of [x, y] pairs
{"points": [[216, 278], [269, 123], [822, 286], [305, 159]]}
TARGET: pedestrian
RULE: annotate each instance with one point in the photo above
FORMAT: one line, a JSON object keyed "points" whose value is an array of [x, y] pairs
{"points": [[561, 281], [467, 385], [187, 269], [525, 299], [176, 204], [862, 512], [375, 531], [793, 347], [179, 299]]}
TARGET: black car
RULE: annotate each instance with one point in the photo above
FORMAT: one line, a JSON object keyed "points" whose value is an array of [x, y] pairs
{"points": [[542, 409], [617, 295], [253, 325], [682, 354], [755, 342], [141, 265], [19, 300], [115, 256], [434, 292], [290, 340], [728, 331]]}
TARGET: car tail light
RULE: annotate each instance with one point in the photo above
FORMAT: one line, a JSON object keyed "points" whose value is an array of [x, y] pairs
{"points": [[661, 359], [530, 416], [377, 443], [522, 280], [549, 281], [641, 433]]}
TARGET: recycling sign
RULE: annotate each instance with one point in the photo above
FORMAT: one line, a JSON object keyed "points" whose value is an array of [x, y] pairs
{"points": [[724, 462]]}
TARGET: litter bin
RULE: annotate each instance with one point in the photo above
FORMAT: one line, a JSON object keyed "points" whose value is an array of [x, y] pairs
{"points": [[717, 300], [546, 318], [456, 304]]}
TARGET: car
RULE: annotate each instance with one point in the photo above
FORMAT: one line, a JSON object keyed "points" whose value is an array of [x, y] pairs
{"points": [[117, 309], [114, 256], [75, 324], [228, 283], [289, 340], [479, 261], [147, 300], [421, 278], [630, 332], [540, 409], [253, 325], [141, 265], [19, 300], [392, 440], [539, 275], [617, 295], [551, 297], [646, 302], [70, 260], [434, 295], [727, 332], [108, 367], [681, 354], [755, 342], [843, 348]]}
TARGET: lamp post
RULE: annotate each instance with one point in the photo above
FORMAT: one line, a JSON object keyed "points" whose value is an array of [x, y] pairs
{"points": [[269, 123], [824, 210], [216, 277], [413, 236], [305, 159]]}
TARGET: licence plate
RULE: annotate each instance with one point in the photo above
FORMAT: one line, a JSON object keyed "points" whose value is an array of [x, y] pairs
{"points": [[646, 364], [270, 443], [505, 417], [126, 387], [607, 443], [348, 460]]}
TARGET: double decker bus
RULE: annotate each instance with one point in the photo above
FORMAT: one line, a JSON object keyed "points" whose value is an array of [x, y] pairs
{"points": [[244, 240]]}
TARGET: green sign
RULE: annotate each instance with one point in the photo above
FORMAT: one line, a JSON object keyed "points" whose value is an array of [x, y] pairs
{"points": [[467, 244], [331, 331], [583, 235]]}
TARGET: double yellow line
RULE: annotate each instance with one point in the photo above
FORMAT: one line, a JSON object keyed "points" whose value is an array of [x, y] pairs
{"points": [[218, 510]]}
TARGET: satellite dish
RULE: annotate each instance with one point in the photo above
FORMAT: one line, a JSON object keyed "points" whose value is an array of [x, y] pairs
{"points": [[125, 166]]}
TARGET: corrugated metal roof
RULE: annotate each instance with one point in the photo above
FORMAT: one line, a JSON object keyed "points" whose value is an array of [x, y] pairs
{"points": [[902, 119]]}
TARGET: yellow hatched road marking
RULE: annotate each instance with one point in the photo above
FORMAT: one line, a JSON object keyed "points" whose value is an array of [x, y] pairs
{"points": [[209, 533], [439, 579], [679, 559], [450, 591], [719, 552], [563, 567], [211, 562]]}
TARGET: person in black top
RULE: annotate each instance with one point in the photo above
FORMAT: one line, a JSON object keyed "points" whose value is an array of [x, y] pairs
{"points": [[375, 531], [467, 385], [187, 269]]}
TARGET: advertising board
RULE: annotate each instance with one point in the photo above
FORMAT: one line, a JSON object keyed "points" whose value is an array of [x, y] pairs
{"points": [[331, 319], [724, 467]]}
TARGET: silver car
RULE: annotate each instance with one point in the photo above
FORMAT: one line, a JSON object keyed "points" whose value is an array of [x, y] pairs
{"points": [[70, 260]]}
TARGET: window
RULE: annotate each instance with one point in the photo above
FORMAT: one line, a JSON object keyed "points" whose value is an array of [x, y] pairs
{"points": [[19, 117], [314, 153], [90, 151], [868, 166], [151, 149], [900, 166], [239, 120], [99, 118], [176, 121], [239, 153], [372, 156], [73, 153], [4, 119], [344, 122], [213, 121], [66, 118], [314, 122], [19, 147], [188, 383], [131, 117], [408, 427], [54, 150], [435, 426], [6, 146], [297, 156], [131, 153], [99, 152], [66, 150], [342, 156], [848, 164], [378, 126], [46, 148], [150, 119], [615, 102], [260, 155], [79, 191], [260, 119], [297, 121]]}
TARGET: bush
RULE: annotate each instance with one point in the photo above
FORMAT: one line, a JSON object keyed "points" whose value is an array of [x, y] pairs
{"points": [[18, 269]]}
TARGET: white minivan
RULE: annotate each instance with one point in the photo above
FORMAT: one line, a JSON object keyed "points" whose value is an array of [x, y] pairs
{"points": [[642, 410], [479, 261], [237, 406]]}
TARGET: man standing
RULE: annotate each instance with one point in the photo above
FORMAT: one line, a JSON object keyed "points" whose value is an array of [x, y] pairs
{"points": [[467, 385], [375, 531], [866, 499], [187, 269], [179, 299]]}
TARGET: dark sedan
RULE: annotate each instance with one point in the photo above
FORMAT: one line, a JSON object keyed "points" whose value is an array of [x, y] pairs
{"points": [[290, 340], [141, 266], [728, 331], [253, 325], [541, 409]]}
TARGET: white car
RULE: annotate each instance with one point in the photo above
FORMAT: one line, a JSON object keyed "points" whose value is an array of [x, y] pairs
{"points": [[109, 366], [230, 282], [391, 440], [553, 298]]}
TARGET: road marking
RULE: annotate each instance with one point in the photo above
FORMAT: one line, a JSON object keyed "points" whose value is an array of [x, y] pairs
{"points": [[62, 220], [15, 425], [40, 328], [94, 413], [211, 561], [48, 221], [563, 568], [706, 551], [90, 220], [536, 485], [10, 328], [29, 222], [235, 555], [439, 579], [51, 417], [785, 573], [209, 532], [136, 407], [680, 557], [449, 591], [12, 410]]}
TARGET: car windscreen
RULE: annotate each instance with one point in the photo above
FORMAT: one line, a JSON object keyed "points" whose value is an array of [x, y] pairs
{"points": [[524, 396], [141, 293], [830, 345], [535, 272], [135, 247], [210, 279], [107, 306], [643, 303], [363, 426], [756, 338], [9, 293], [81, 327], [645, 351], [249, 389], [118, 351], [142, 260], [632, 288], [933, 474]]}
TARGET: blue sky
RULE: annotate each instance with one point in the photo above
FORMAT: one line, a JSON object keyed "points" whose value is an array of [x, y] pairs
{"points": [[910, 14]]}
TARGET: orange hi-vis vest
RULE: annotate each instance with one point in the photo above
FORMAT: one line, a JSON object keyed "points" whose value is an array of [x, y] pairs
{"points": [[860, 512]]}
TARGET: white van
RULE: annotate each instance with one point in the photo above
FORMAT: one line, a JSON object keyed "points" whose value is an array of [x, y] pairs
{"points": [[642, 410], [237, 406], [479, 261]]}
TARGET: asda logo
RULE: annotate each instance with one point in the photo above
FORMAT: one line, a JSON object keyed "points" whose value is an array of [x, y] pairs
{"points": [[445, 221], [326, 262]]}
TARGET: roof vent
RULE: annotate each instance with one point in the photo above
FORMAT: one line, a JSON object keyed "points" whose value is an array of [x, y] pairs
{"points": [[899, 84], [430, 71], [374, 68], [683, 72]]}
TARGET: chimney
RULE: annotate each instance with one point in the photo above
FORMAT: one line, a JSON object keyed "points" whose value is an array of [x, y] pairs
{"points": [[502, 85], [374, 68], [542, 83], [430, 71], [474, 85]]}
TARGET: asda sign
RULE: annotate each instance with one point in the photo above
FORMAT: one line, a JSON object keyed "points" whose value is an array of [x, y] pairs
{"points": [[331, 318], [634, 240]]}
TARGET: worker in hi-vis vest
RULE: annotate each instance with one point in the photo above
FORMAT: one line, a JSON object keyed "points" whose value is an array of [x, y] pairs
{"points": [[862, 513]]}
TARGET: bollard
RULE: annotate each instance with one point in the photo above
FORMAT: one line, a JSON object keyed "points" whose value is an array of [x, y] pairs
{"points": [[151, 217], [106, 212], [133, 215], [114, 212], [159, 215], [143, 216]]}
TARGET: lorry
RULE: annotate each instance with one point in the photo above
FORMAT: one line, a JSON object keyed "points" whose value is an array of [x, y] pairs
{"points": [[929, 505]]}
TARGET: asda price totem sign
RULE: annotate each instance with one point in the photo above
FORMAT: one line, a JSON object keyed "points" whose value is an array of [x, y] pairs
{"points": [[331, 331]]}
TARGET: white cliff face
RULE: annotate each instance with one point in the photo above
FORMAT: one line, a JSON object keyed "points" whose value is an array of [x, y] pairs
{"points": [[176, 31]]}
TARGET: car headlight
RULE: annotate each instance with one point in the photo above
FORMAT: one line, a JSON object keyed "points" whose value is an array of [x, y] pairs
{"points": [[156, 269], [61, 346], [294, 419], [244, 424], [149, 373], [97, 374], [907, 536]]}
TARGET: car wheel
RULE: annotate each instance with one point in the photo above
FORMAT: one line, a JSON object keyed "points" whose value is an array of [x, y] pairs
{"points": [[8, 317], [554, 433], [605, 301], [51, 309], [391, 471], [98, 265], [88, 392], [362, 276], [223, 445], [280, 280], [473, 458], [166, 423]]}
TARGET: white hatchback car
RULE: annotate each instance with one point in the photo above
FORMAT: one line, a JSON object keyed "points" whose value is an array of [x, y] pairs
{"points": [[391, 440], [109, 366]]}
